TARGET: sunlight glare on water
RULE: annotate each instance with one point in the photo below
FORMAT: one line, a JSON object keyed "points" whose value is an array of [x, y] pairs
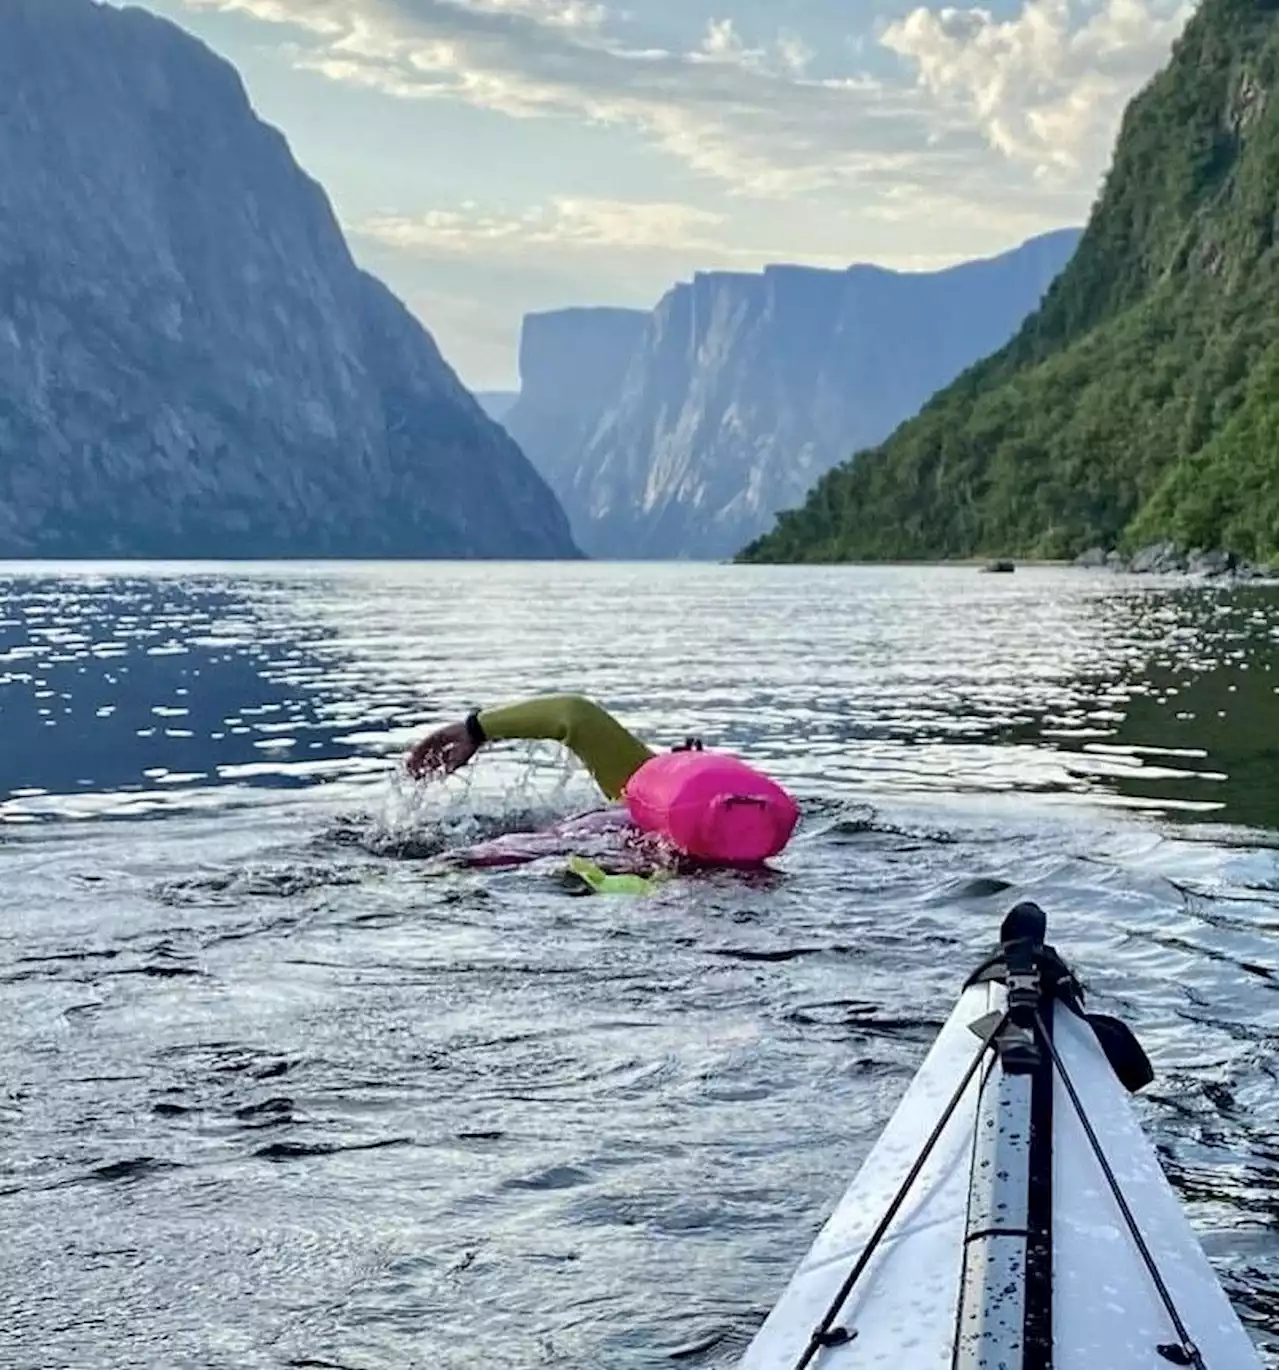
{"points": [[282, 1088]]}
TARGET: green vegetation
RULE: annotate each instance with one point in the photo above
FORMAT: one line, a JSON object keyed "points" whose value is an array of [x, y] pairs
{"points": [[1139, 401]]}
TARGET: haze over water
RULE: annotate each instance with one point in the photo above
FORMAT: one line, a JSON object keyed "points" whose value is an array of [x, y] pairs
{"points": [[280, 1089]]}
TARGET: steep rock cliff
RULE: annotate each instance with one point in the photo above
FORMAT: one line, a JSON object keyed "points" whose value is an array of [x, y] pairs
{"points": [[739, 390], [572, 362], [190, 362]]}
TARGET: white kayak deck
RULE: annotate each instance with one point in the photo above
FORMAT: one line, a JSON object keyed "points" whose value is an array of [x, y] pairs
{"points": [[1107, 1314]]}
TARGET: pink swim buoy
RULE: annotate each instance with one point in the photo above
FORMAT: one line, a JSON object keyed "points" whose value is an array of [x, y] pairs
{"points": [[712, 806]]}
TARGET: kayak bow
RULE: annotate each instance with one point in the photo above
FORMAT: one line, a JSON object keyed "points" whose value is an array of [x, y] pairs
{"points": [[1012, 1214]]}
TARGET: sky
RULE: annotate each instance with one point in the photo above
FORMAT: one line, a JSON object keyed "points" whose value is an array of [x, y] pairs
{"points": [[487, 158]]}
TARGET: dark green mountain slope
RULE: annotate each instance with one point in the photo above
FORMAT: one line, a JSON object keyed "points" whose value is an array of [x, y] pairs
{"points": [[1140, 399]]}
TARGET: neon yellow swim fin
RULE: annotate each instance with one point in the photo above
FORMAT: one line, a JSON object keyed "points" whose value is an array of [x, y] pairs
{"points": [[599, 883]]}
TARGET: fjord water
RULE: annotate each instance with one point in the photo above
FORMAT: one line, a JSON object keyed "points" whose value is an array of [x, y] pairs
{"points": [[277, 1088]]}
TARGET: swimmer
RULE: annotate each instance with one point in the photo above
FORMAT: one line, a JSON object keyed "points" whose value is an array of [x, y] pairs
{"points": [[595, 737], [708, 805]]}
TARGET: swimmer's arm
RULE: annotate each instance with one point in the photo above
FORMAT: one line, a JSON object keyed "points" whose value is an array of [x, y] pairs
{"points": [[599, 741]]}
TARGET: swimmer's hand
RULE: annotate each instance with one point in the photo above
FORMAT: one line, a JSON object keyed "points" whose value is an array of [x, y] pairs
{"points": [[444, 751]]}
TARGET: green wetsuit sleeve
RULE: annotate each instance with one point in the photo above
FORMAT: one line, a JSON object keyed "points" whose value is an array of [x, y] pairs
{"points": [[599, 741]]}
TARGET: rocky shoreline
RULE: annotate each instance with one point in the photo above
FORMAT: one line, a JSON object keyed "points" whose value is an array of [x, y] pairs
{"points": [[1167, 558]]}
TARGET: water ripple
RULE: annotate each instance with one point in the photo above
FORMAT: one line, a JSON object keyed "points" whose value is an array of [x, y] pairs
{"points": [[278, 1087]]}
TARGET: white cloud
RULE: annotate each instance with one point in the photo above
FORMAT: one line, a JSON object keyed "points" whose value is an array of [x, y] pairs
{"points": [[722, 43], [1047, 87], [794, 53], [562, 222], [990, 98], [580, 227], [720, 39], [742, 115], [568, 14]]}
